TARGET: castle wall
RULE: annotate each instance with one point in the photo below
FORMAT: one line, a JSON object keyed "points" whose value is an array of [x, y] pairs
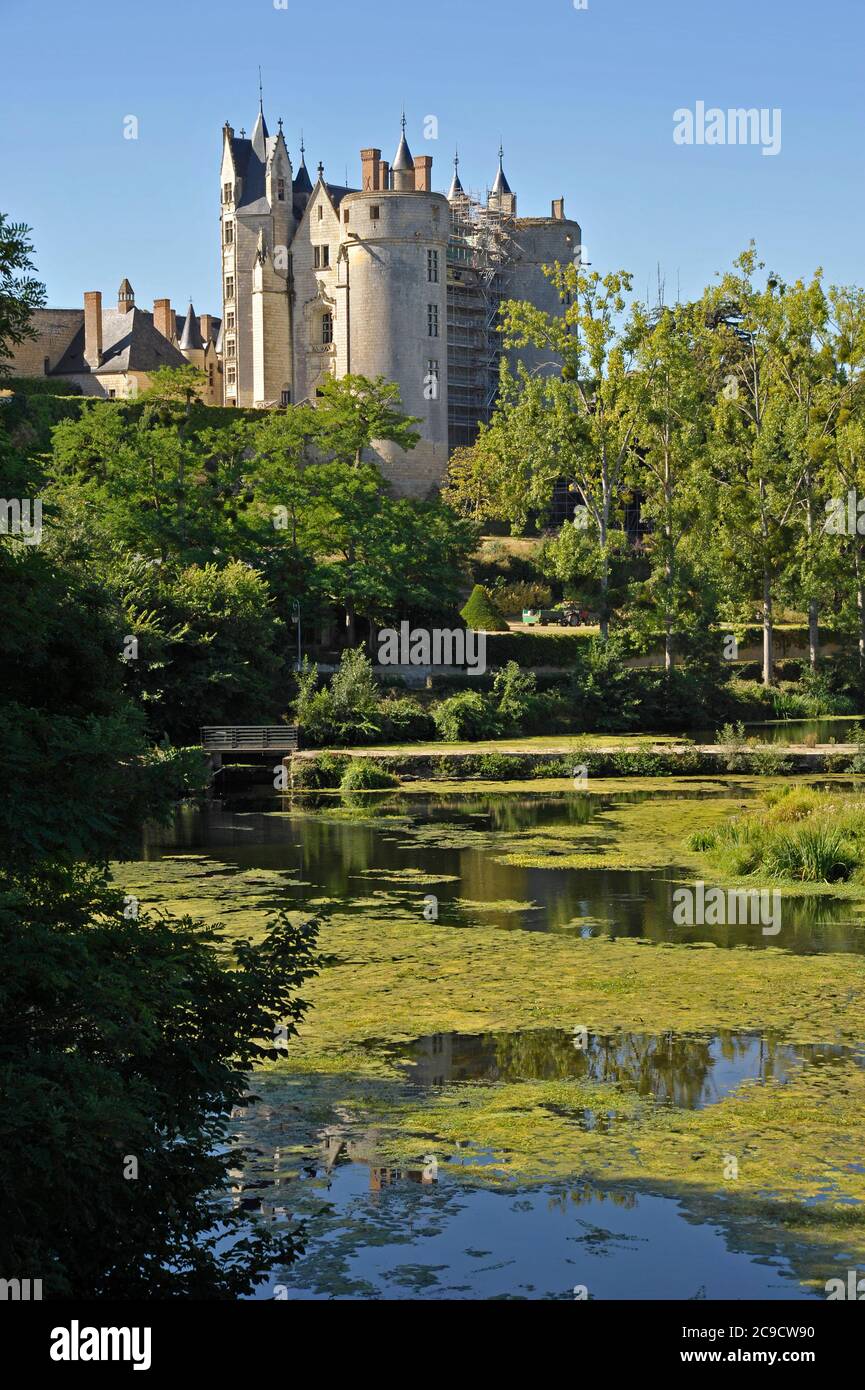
{"points": [[55, 329], [542, 241]]}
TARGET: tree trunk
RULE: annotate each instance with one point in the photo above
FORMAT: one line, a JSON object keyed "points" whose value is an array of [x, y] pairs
{"points": [[860, 606], [768, 632], [813, 634], [813, 611]]}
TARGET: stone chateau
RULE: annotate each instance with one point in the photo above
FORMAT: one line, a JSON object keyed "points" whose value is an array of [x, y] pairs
{"points": [[390, 278]]}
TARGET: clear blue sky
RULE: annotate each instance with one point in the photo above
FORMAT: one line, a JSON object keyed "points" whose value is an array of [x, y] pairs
{"points": [[582, 99]]}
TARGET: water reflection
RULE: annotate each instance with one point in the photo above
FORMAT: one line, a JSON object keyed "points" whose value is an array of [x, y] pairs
{"points": [[672, 1068], [456, 840]]}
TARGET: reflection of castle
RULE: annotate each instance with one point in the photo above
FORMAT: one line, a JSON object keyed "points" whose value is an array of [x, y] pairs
{"points": [[336, 1145]]}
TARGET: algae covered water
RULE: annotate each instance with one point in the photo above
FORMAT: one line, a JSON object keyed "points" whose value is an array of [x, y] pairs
{"points": [[518, 1078]]}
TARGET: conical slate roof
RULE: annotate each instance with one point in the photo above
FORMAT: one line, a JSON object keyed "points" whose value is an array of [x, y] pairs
{"points": [[260, 135], [501, 184], [402, 160], [456, 189], [302, 181], [191, 336]]}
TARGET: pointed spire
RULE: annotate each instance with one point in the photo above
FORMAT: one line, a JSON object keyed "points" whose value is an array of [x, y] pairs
{"points": [[260, 133], [302, 181], [191, 336], [501, 184], [456, 188], [402, 160]]}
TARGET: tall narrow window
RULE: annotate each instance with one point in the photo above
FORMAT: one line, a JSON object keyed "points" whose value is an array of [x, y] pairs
{"points": [[321, 257], [231, 380], [229, 347], [229, 287], [432, 320], [229, 320], [374, 213], [227, 192], [327, 329], [432, 267], [285, 396], [229, 233]]}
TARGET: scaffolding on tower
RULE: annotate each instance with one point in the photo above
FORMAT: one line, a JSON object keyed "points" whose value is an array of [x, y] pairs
{"points": [[481, 251]]}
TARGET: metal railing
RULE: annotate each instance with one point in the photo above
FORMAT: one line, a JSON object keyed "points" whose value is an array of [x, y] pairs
{"points": [[249, 738]]}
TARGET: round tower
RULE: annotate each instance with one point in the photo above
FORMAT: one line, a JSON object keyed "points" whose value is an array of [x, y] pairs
{"points": [[393, 292]]}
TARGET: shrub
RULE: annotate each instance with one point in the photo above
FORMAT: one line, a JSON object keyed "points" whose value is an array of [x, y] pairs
{"points": [[316, 774], [730, 741], [481, 614], [404, 720], [465, 717], [638, 763], [503, 767], [362, 775], [767, 760], [515, 691], [513, 598]]}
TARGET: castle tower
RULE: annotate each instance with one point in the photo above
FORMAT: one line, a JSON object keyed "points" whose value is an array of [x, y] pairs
{"points": [[191, 342], [392, 303], [271, 331], [501, 199], [257, 195]]}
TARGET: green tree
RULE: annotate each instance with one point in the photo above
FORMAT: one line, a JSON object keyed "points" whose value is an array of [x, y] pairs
{"points": [[20, 293], [352, 411]]}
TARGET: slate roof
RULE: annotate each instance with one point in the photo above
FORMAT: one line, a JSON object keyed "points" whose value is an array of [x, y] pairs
{"points": [[501, 184], [130, 343], [191, 335]]}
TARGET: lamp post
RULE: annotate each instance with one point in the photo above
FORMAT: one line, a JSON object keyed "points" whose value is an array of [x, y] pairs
{"points": [[295, 613]]}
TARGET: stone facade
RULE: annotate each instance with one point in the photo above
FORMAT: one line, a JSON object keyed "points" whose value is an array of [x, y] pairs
{"points": [[113, 351], [319, 279]]}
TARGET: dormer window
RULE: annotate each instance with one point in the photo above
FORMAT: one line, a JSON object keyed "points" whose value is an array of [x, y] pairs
{"points": [[321, 257], [326, 329], [320, 212], [280, 190]]}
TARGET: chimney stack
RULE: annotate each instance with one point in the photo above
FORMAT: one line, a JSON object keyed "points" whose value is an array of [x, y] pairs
{"points": [[205, 323], [384, 174], [559, 209], [370, 164], [93, 328], [163, 319], [423, 173]]}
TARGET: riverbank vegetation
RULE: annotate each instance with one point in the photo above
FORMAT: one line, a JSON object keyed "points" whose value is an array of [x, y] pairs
{"points": [[798, 834]]}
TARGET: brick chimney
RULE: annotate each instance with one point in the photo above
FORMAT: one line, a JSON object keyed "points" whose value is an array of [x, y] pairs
{"points": [[370, 164], [384, 174], [423, 173], [163, 319], [559, 209], [205, 323], [93, 328]]}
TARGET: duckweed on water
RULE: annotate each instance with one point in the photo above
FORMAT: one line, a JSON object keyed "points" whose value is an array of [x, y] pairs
{"points": [[391, 976]]}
